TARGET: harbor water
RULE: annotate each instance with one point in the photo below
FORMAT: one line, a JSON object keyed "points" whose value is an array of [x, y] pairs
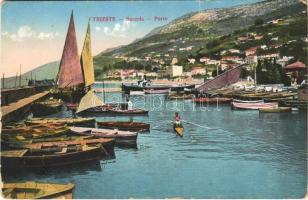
{"points": [[224, 154]]}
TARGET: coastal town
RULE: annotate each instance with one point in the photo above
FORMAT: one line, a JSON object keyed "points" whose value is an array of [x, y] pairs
{"points": [[209, 105]]}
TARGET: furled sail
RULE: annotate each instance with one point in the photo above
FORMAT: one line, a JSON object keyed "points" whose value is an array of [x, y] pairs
{"points": [[70, 73], [90, 100], [86, 59], [228, 77]]}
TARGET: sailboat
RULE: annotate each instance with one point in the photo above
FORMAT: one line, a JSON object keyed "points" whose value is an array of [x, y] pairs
{"points": [[75, 76], [86, 60]]}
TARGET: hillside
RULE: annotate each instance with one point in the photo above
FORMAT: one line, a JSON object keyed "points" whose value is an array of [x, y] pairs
{"points": [[199, 27], [46, 71]]}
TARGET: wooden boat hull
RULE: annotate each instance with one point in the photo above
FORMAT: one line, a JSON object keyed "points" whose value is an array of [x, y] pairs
{"points": [[212, 100], [134, 87], [34, 134], [121, 137], [125, 126], [180, 97], [275, 110], [151, 91], [86, 122], [40, 109], [33, 161], [128, 112], [35, 190], [179, 130], [106, 144], [252, 106]]}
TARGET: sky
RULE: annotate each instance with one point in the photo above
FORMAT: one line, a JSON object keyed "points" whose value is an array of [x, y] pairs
{"points": [[33, 33]]}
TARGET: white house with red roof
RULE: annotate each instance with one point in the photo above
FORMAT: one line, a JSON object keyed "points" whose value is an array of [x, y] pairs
{"points": [[251, 51]]}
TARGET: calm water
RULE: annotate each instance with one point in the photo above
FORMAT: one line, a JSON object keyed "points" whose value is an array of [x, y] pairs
{"points": [[235, 154]]}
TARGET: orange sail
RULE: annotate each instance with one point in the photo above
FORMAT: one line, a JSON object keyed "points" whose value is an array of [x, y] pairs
{"points": [[70, 73], [87, 60]]}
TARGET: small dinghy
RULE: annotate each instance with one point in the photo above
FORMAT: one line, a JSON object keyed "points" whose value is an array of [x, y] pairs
{"points": [[276, 110], [125, 125], [35, 190], [121, 137]]}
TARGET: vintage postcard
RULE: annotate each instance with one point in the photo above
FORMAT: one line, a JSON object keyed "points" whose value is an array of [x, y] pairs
{"points": [[200, 99]]}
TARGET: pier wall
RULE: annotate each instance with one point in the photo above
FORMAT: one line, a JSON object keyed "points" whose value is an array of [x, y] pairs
{"points": [[12, 95]]}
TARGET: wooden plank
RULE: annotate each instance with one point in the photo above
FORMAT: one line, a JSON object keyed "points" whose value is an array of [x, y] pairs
{"points": [[22, 103]]}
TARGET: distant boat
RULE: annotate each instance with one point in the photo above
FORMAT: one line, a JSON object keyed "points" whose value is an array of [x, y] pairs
{"points": [[152, 91], [124, 125], [215, 100], [36, 190], [134, 111], [275, 110], [180, 96], [136, 93], [47, 107], [253, 106], [121, 137], [242, 101], [135, 87]]}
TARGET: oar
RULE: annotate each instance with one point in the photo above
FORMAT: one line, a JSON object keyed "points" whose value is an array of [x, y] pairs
{"points": [[197, 124]]}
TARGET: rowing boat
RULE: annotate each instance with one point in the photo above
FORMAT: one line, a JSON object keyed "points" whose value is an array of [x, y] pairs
{"points": [[253, 106], [106, 144], [180, 96], [125, 125], [35, 190], [33, 133], [275, 110], [121, 137], [134, 111], [179, 129], [89, 122], [242, 101], [48, 107], [26, 159], [216, 100]]}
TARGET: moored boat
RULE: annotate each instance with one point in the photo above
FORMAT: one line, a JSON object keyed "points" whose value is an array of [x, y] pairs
{"points": [[135, 87], [134, 111], [36, 190], [153, 91], [89, 122], [243, 101], [107, 145], [124, 125], [26, 159], [275, 110], [215, 100], [32, 133], [47, 107], [180, 96], [121, 137], [136, 93], [253, 106]]}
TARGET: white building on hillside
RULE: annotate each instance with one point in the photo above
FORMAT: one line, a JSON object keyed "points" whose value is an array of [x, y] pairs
{"points": [[174, 70]]}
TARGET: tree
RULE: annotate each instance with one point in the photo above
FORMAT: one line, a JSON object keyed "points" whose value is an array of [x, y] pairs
{"points": [[259, 22]]}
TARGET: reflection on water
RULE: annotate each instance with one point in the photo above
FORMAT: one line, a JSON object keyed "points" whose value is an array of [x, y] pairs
{"points": [[232, 154]]}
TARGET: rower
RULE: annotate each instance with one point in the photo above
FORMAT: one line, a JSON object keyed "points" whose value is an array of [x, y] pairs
{"points": [[177, 119]]}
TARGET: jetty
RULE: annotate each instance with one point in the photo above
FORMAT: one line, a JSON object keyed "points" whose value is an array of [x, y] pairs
{"points": [[17, 110]]}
